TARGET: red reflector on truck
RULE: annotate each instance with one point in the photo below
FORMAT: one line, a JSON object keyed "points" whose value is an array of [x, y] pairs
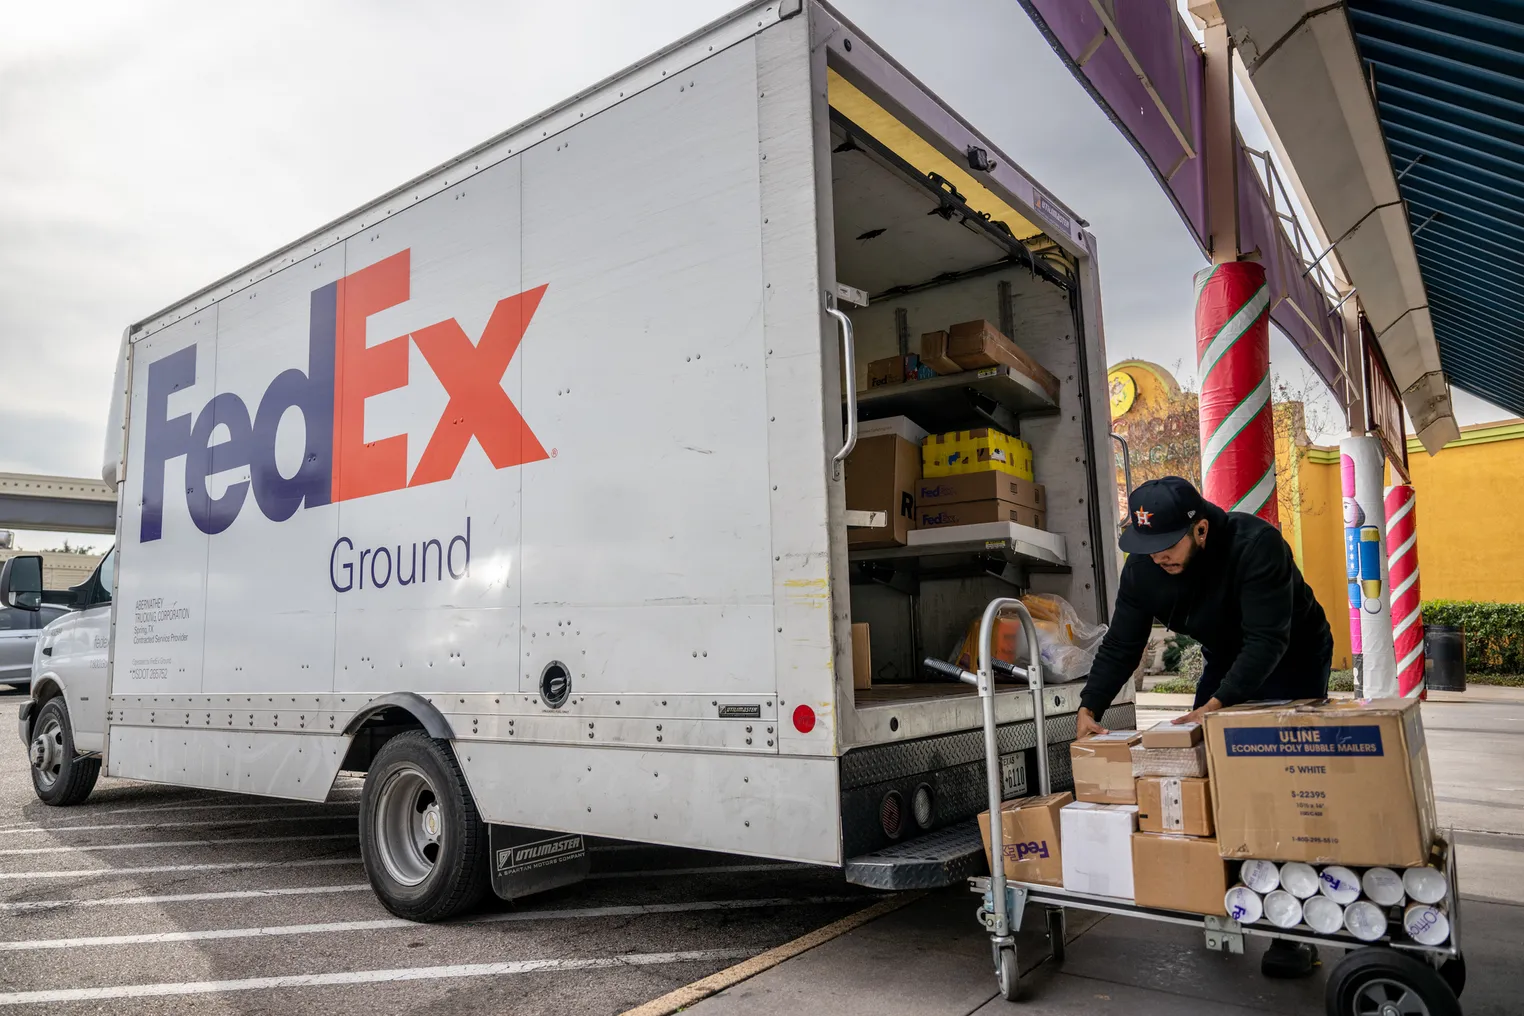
{"points": [[804, 719]]}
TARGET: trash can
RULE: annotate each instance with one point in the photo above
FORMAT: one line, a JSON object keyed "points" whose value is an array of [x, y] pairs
{"points": [[1444, 648]]}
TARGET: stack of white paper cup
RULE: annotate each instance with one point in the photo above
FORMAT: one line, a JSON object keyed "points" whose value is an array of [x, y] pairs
{"points": [[1383, 887], [1261, 876], [1323, 915], [1243, 904], [1282, 909], [1364, 920], [1339, 884], [1426, 925], [1298, 879], [1424, 885]]}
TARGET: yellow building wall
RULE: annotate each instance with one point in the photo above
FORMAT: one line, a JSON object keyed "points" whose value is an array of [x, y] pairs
{"points": [[1321, 556]]}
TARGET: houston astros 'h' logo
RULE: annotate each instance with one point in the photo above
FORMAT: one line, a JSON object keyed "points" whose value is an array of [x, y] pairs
{"points": [[1145, 518]]}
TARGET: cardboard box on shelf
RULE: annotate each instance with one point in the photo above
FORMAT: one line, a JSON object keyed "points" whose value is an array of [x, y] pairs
{"points": [[888, 371], [967, 513], [1175, 872], [1169, 761], [1166, 734], [934, 353], [1174, 804], [975, 344], [1097, 848], [1103, 768], [862, 658], [975, 451], [1029, 832], [900, 426], [985, 486], [881, 476], [1322, 782]]}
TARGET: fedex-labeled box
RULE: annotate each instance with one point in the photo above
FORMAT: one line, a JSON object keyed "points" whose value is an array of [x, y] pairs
{"points": [[1029, 833], [1322, 782], [1097, 856], [882, 473]]}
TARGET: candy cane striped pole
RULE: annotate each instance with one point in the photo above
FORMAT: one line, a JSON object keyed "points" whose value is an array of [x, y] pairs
{"points": [[1233, 365], [1402, 564]]}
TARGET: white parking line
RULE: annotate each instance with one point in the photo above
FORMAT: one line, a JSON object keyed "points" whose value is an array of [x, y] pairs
{"points": [[17, 851], [126, 901], [22, 830], [315, 862], [368, 976], [374, 925]]}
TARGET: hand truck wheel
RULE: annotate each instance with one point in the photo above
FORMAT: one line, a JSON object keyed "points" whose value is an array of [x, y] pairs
{"points": [[1378, 980], [1008, 973]]}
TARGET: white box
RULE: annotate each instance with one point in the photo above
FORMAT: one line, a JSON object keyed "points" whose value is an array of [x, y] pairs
{"points": [[903, 426], [1097, 847]]}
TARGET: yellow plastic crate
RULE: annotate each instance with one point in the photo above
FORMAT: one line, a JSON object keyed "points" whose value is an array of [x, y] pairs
{"points": [[976, 451]]}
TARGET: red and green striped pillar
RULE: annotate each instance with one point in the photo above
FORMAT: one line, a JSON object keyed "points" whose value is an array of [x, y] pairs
{"points": [[1233, 366]]}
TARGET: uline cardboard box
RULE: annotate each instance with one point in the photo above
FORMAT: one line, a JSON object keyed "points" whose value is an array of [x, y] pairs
{"points": [[1103, 768], [1166, 734], [934, 353], [975, 344], [882, 473], [862, 658], [968, 513], [1322, 782], [1173, 804], [1097, 840], [1029, 834], [986, 486], [1178, 873]]}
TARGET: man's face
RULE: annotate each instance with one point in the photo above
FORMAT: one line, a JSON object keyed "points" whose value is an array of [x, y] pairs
{"points": [[1174, 560]]}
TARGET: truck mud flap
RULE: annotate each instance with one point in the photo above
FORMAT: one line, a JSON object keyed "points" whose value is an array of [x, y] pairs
{"points": [[527, 861]]}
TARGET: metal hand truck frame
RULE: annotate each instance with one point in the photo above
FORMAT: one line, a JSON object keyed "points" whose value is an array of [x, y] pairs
{"points": [[1390, 976]]}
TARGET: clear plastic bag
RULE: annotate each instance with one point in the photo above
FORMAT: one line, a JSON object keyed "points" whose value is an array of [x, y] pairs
{"points": [[1067, 643]]}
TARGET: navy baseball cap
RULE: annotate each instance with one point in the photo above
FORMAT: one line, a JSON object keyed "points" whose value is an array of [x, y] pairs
{"points": [[1160, 513]]}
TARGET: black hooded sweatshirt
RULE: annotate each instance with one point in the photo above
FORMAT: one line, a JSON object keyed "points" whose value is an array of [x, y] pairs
{"points": [[1262, 633]]}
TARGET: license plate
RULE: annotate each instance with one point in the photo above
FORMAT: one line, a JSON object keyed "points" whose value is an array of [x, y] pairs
{"points": [[1013, 775]]}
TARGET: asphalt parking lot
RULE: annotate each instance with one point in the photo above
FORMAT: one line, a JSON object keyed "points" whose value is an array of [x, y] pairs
{"points": [[156, 899]]}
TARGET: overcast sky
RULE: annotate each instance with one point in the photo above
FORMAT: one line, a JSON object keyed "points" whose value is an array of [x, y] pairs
{"points": [[147, 149]]}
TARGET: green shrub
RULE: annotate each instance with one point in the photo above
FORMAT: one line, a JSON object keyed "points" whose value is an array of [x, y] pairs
{"points": [[1494, 632], [1174, 645]]}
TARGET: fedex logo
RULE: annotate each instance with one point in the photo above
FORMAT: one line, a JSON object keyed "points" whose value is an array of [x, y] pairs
{"points": [[1035, 849], [338, 464]]}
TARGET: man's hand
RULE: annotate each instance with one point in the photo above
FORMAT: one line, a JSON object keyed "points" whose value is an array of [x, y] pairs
{"points": [[1086, 725], [1197, 715]]}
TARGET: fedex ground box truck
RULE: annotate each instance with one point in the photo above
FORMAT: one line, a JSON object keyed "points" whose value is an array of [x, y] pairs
{"points": [[523, 489]]}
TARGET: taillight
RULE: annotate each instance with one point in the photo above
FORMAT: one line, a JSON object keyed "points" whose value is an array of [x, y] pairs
{"points": [[891, 814], [920, 806], [804, 719]]}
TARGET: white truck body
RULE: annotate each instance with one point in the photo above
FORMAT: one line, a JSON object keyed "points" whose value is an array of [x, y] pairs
{"points": [[574, 399]]}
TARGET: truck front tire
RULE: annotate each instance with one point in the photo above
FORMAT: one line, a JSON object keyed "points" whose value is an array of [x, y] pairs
{"points": [[425, 847], [60, 777]]}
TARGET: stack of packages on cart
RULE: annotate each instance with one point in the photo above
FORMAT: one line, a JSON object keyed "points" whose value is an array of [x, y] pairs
{"points": [[1315, 816]]}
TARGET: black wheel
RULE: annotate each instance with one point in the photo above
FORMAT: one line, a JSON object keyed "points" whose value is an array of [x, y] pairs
{"points": [[1008, 973], [1057, 928], [59, 776], [1385, 982], [424, 845], [1454, 973]]}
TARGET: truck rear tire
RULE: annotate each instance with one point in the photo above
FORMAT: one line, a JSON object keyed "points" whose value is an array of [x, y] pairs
{"points": [[424, 845], [60, 777]]}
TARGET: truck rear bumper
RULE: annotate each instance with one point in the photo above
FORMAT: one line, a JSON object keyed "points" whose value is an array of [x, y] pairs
{"points": [[952, 767]]}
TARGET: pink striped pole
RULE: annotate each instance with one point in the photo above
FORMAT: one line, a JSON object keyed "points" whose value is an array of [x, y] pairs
{"points": [[1233, 364], [1402, 564]]}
